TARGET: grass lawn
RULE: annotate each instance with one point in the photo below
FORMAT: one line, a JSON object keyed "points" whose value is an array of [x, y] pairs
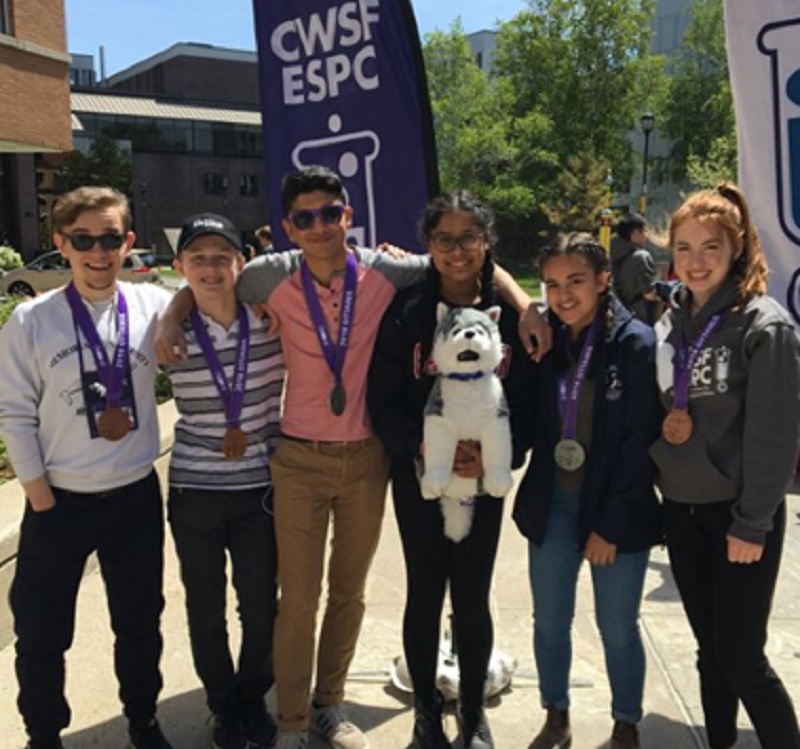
{"points": [[531, 284]]}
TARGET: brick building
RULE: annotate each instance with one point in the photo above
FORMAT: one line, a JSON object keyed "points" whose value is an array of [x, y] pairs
{"points": [[35, 106], [190, 117]]}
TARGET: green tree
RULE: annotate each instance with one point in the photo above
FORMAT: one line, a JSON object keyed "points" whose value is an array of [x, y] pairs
{"points": [[585, 66], [106, 164], [582, 194], [477, 135], [699, 114]]}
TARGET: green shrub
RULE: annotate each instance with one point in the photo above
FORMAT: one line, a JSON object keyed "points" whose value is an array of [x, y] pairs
{"points": [[163, 388], [7, 307], [9, 258]]}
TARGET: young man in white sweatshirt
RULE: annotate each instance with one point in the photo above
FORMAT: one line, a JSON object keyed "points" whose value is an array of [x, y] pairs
{"points": [[78, 415]]}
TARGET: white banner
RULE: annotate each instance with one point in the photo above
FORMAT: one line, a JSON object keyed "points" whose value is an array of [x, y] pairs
{"points": [[763, 40]]}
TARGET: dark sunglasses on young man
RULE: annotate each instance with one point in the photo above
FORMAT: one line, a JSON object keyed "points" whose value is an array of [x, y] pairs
{"points": [[84, 242], [328, 214]]}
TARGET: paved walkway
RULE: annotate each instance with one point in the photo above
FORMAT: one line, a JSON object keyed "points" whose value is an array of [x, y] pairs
{"points": [[673, 717]]}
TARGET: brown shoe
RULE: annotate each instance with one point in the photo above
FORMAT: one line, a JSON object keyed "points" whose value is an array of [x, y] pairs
{"points": [[556, 732], [624, 736]]}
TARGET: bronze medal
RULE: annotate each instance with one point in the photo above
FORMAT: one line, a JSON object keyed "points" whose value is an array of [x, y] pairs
{"points": [[234, 443], [677, 427], [113, 424], [569, 454], [337, 400]]}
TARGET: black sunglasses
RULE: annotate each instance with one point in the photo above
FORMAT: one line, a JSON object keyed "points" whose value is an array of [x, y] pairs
{"points": [[84, 242], [328, 214]]}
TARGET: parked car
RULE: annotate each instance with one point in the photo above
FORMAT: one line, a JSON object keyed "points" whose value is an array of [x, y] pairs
{"points": [[51, 270]]}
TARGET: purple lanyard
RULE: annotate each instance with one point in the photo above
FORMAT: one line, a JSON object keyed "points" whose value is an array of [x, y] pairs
{"points": [[684, 360], [232, 396], [333, 356], [111, 375], [569, 389]]}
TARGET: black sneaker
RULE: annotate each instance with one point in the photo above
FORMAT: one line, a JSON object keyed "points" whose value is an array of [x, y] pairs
{"points": [[147, 736], [228, 733], [259, 724], [39, 744]]}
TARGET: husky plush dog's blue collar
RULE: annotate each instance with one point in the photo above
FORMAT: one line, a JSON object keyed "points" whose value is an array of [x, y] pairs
{"points": [[464, 376]]}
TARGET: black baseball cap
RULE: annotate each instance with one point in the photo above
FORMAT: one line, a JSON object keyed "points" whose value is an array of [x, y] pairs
{"points": [[203, 224]]}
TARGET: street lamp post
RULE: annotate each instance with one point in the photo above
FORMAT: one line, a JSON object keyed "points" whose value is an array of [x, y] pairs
{"points": [[606, 215], [648, 122]]}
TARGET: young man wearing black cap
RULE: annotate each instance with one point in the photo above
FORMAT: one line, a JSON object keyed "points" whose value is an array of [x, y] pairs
{"points": [[78, 415], [228, 394]]}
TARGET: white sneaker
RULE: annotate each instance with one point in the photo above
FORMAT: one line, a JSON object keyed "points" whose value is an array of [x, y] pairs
{"points": [[292, 740], [331, 721]]}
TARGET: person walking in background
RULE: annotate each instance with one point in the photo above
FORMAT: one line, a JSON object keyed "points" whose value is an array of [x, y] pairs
{"points": [[228, 393], [729, 373], [633, 269], [588, 491], [264, 239], [459, 233], [78, 416]]}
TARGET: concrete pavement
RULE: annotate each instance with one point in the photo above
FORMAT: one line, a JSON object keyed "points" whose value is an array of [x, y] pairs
{"points": [[673, 717]]}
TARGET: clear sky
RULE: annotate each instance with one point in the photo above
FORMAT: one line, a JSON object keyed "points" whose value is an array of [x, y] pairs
{"points": [[131, 30]]}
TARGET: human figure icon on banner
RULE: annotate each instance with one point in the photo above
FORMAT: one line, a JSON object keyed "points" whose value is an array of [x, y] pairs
{"points": [[352, 156], [779, 42]]}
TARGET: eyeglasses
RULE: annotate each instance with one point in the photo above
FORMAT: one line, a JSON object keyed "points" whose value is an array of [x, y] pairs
{"points": [[328, 214], [447, 242], [84, 242]]}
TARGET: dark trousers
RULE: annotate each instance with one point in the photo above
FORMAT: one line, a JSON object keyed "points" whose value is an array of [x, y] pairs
{"points": [[432, 560], [206, 525], [728, 607], [126, 529]]}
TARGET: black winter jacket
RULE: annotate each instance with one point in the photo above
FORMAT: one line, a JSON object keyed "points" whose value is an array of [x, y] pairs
{"points": [[617, 499]]}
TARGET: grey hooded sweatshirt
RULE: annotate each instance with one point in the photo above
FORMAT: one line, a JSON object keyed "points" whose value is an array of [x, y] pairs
{"points": [[744, 401], [634, 275]]}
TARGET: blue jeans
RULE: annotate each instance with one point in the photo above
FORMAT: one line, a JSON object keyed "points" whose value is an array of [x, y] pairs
{"points": [[553, 569]]}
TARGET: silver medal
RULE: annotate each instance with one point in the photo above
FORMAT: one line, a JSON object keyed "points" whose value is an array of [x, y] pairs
{"points": [[337, 399], [569, 454]]}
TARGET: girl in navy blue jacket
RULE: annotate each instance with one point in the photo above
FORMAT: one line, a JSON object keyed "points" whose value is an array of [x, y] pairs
{"points": [[588, 491]]}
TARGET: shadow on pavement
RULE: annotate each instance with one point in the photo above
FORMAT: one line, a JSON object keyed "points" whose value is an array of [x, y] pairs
{"points": [[666, 590]]}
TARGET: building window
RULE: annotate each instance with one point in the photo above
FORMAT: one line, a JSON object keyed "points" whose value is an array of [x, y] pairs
{"points": [[214, 184], [5, 18], [248, 185]]}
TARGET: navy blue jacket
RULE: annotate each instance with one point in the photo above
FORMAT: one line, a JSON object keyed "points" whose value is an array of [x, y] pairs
{"points": [[617, 498]]}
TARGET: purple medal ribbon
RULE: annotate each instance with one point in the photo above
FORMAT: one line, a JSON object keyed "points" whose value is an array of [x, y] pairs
{"points": [[111, 375], [333, 356], [569, 389], [684, 360], [232, 395]]}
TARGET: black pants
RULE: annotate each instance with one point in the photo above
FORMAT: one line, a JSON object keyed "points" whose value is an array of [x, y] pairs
{"points": [[432, 560], [206, 524], [728, 607], [126, 529]]}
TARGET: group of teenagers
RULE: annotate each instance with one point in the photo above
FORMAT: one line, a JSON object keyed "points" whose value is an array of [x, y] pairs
{"points": [[301, 380]]}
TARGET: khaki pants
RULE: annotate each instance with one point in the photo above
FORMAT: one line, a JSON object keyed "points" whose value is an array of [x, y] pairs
{"points": [[314, 483]]}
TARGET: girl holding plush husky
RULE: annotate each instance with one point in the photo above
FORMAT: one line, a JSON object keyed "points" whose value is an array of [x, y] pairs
{"points": [[588, 491], [729, 369], [459, 232]]}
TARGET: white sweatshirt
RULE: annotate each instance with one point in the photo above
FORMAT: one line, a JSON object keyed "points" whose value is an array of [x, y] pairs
{"points": [[42, 412]]}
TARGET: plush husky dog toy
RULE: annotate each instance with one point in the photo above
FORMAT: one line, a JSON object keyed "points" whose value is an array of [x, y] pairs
{"points": [[467, 403]]}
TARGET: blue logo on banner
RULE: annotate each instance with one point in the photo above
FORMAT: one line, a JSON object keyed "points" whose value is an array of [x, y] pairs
{"points": [[781, 42], [343, 85]]}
